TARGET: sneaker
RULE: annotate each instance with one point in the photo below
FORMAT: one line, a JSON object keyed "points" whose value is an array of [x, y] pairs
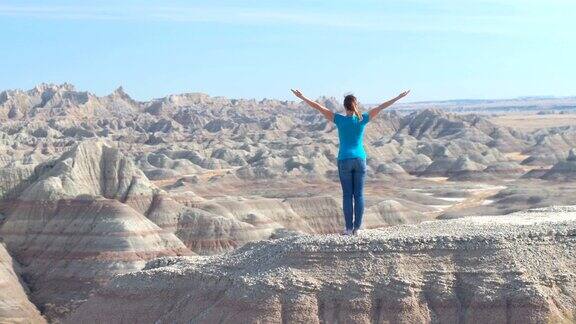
{"points": [[355, 231], [347, 232]]}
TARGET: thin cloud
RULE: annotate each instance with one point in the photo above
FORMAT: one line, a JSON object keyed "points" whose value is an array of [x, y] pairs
{"points": [[258, 16]]}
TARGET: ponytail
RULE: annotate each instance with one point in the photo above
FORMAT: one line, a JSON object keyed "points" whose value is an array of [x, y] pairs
{"points": [[357, 113]]}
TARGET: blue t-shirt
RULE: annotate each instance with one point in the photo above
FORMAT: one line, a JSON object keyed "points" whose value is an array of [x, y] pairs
{"points": [[351, 134]]}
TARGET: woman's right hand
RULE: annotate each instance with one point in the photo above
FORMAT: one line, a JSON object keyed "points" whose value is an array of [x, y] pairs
{"points": [[297, 93]]}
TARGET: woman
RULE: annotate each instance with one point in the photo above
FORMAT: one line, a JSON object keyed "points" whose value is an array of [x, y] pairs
{"points": [[351, 155]]}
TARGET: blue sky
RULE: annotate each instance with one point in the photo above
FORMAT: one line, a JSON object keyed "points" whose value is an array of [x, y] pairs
{"points": [[443, 49]]}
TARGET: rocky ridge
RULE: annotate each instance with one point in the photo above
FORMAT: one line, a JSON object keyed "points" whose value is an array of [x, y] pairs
{"points": [[183, 134], [517, 269]]}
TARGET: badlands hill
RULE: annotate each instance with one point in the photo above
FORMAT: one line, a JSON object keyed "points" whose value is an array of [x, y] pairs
{"points": [[79, 222], [518, 269]]}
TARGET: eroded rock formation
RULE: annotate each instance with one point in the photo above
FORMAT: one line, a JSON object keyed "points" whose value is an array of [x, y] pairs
{"points": [[188, 133]]}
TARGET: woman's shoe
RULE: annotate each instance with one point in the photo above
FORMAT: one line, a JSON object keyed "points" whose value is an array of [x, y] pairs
{"points": [[347, 232]]}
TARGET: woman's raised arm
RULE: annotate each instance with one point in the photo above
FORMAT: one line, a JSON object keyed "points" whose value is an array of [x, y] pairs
{"points": [[374, 111], [325, 111]]}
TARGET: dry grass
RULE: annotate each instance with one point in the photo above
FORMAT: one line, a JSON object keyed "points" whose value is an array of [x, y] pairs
{"points": [[530, 122]]}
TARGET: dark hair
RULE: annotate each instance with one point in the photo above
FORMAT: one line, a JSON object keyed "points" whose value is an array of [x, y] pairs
{"points": [[351, 104]]}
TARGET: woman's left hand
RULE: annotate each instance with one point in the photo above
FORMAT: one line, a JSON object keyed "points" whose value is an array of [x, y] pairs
{"points": [[297, 93], [403, 94]]}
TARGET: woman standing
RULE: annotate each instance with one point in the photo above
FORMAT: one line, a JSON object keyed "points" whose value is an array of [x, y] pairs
{"points": [[351, 154]]}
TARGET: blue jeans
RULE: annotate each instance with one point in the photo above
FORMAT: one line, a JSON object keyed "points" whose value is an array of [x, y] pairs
{"points": [[352, 173]]}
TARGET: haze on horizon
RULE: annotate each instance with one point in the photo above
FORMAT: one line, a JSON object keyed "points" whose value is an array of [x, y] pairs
{"points": [[254, 49]]}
